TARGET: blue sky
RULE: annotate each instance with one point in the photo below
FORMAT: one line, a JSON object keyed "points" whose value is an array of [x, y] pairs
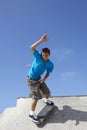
{"points": [[22, 22]]}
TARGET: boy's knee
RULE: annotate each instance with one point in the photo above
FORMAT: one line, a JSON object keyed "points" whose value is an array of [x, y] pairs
{"points": [[47, 95]]}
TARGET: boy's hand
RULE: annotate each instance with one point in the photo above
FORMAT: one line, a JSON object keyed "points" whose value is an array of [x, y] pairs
{"points": [[44, 38], [42, 80]]}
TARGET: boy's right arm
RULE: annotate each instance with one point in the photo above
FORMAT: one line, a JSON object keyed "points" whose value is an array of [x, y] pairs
{"points": [[43, 38]]}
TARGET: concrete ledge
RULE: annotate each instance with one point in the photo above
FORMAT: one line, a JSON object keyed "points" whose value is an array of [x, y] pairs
{"points": [[70, 113]]}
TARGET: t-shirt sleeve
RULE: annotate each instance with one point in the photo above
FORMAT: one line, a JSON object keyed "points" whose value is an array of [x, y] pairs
{"points": [[36, 54], [50, 69]]}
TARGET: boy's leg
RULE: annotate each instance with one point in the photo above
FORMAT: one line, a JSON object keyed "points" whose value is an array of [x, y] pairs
{"points": [[34, 87], [48, 102], [46, 93], [33, 104], [32, 115]]}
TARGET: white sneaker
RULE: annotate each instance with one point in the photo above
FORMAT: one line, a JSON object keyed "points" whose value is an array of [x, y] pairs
{"points": [[34, 118], [48, 102]]}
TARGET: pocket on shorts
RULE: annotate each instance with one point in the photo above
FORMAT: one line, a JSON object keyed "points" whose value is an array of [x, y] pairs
{"points": [[34, 87], [29, 81]]}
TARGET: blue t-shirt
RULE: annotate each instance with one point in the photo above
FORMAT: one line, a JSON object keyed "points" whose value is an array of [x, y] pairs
{"points": [[39, 66]]}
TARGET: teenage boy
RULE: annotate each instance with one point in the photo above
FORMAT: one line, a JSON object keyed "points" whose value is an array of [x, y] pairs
{"points": [[40, 64]]}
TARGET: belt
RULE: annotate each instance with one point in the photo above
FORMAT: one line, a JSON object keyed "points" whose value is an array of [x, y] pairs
{"points": [[32, 78]]}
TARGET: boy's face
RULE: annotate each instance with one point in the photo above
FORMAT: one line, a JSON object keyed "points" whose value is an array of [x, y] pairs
{"points": [[45, 56]]}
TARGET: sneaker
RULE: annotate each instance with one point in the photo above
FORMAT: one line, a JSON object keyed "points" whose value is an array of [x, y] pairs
{"points": [[34, 118], [48, 102]]}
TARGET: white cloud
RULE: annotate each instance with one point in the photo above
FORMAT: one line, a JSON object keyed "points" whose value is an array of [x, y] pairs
{"points": [[62, 54], [67, 52], [67, 75], [29, 65]]}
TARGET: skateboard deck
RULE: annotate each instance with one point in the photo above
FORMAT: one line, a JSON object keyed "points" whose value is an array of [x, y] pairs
{"points": [[42, 115]]}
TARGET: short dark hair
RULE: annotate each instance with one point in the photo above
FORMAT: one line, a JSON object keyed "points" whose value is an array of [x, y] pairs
{"points": [[46, 50]]}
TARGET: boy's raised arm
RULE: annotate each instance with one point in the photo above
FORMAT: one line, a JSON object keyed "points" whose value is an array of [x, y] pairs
{"points": [[37, 43]]}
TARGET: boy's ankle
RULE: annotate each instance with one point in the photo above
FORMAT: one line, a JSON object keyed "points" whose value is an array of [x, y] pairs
{"points": [[45, 99], [32, 112]]}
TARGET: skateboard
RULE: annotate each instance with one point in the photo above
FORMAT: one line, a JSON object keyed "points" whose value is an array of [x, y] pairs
{"points": [[42, 115]]}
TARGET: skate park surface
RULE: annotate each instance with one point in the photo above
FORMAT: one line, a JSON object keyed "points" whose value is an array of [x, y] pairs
{"points": [[69, 113]]}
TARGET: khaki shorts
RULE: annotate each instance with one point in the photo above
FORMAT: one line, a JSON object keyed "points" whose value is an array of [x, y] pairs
{"points": [[37, 89]]}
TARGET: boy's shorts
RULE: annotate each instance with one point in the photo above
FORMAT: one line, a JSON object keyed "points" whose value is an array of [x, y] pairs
{"points": [[37, 89]]}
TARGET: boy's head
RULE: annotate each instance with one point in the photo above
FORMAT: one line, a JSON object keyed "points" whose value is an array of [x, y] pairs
{"points": [[45, 53]]}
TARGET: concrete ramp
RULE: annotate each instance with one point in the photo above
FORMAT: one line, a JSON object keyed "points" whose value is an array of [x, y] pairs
{"points": [[69, 113]]}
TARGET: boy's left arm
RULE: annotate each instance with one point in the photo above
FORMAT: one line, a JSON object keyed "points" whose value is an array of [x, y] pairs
{"points": [[44, 78]]}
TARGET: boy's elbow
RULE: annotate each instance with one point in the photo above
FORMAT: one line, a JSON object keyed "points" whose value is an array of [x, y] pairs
{"points": [[32, 48]]}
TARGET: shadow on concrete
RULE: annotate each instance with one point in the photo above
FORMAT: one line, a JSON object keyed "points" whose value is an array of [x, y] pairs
{"points": [[62, 116]]}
